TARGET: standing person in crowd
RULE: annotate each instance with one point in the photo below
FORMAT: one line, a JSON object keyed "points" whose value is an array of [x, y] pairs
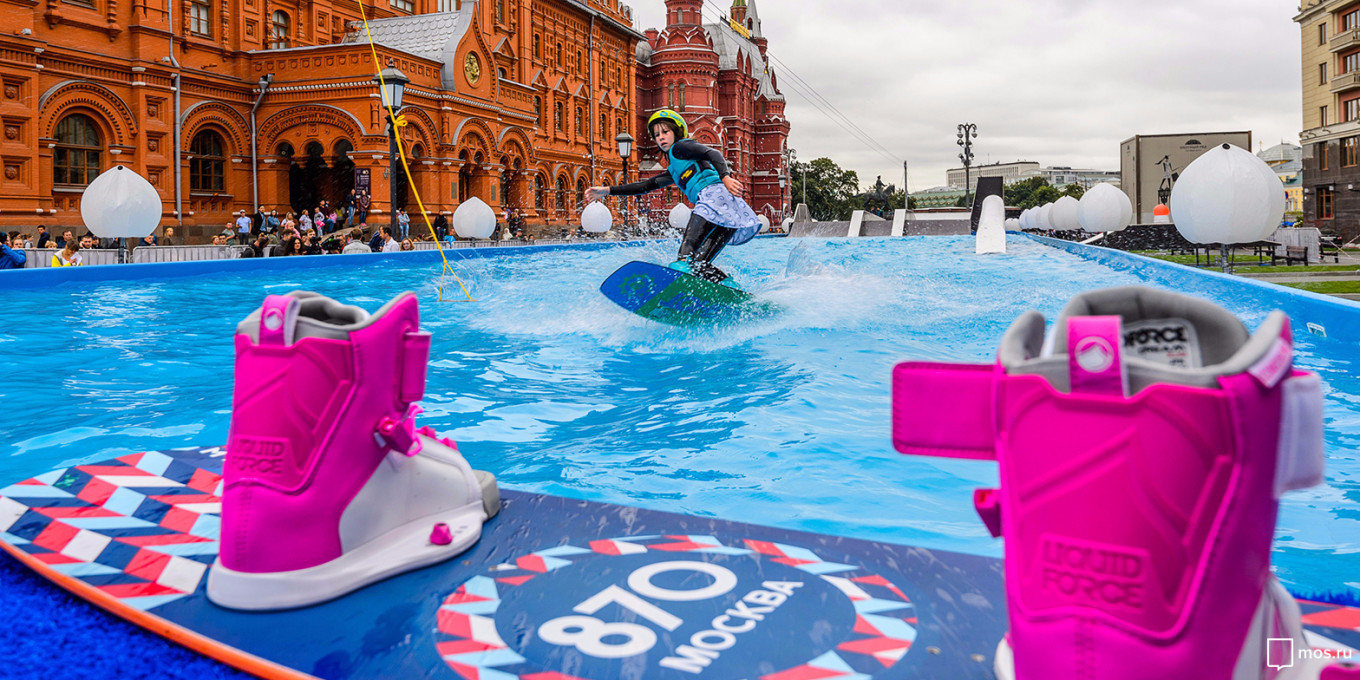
{"points": [[305, 221], [364, 204], [271, 222], [148, 240], [390, 244], [406, 244], [68, 256], [403, 223], [288, 222], [333, 220], [66, 237], [169, 238], [242, 228], [441, 227], [9, 257], [87, 242], [347, 209], [43, 237], [379, 239]]}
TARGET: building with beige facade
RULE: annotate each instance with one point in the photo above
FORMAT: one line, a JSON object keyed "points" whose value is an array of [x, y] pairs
{"points": [[1330, 35]]}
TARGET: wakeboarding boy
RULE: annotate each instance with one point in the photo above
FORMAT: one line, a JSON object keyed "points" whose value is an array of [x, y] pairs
{"points": [[719, 217]]}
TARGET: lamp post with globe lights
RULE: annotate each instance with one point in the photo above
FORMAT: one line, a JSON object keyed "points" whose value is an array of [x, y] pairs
{"points": [[392, 84], [625, 142], [967, 133]]}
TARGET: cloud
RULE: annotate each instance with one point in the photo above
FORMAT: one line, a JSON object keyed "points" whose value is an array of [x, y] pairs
{"points": [[1059, 82]]}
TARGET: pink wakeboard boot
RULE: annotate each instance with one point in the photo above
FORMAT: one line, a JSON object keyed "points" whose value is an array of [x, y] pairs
{"points": [[329, 486], [1142, 447]]}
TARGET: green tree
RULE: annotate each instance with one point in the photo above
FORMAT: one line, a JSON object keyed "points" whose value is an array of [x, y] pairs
{"points": [[1074, 190], [831, 194]]}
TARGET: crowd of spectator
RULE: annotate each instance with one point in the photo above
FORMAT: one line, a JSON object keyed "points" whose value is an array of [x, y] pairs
{"points": [[325, 229]]}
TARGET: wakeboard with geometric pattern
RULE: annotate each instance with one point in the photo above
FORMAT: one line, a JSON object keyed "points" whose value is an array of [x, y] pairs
{"points": [[556, 589]]}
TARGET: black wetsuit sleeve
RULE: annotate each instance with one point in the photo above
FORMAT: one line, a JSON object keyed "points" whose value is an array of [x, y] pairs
{"points": [[650, 184], [690, 150]]}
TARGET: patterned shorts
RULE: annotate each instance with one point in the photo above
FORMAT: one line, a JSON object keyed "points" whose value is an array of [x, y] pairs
{"points": [[718, 205]]}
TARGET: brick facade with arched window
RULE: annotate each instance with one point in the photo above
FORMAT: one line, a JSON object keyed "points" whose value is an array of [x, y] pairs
{"points": [[86, 86]]}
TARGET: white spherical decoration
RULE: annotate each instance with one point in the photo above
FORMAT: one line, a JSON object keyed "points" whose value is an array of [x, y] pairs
{"points": [[596, 218], [679, 217], [1064, 215], [1227, 195], [474, 219], [119, 203], [1104, 208], [764, 223], [1042, 217], [1012, 224], [1027, 218]]}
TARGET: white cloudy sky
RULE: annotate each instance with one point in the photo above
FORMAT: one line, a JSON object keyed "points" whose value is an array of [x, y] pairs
{"points": [[1060, 82]]}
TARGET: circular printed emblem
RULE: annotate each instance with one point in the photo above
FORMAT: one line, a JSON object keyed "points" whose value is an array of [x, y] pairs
{"points": [[1095, 355], [673, 607]]}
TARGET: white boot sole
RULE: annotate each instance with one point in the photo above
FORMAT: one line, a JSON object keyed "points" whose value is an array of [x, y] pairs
{"points": [[402, 549]]}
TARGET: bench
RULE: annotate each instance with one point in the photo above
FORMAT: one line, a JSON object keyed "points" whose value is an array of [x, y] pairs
{"points": [[1329, 245], [1295, 254]]}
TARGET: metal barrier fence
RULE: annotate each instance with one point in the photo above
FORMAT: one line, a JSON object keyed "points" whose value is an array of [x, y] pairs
{"points": [[39, 258], [42, 257], [185, 253]]}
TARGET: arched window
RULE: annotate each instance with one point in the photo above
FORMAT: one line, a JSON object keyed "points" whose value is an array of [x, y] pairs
{"points": [[500, 72], [500, 11], [670, 96], [561, 193], [604, 127], [618, 125], [538, 111], [580, 121], [278, 30], [77, 157], [580, 193], [207, 161], [682, 97], [557, 118], [286, 150], [559, 54], [579, 63], [540, 193], [536, 42]]}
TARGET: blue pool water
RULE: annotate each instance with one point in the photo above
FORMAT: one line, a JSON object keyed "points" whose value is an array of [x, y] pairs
{"points": [[542, 381]]}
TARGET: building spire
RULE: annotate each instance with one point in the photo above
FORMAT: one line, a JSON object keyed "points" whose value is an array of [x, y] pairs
{"points": [[753, 17]]}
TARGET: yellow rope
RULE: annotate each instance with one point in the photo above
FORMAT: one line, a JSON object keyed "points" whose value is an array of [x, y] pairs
{"points": [[399, 122]]}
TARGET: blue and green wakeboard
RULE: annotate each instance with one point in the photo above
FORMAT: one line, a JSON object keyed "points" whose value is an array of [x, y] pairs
{"points": [[673, 297]]}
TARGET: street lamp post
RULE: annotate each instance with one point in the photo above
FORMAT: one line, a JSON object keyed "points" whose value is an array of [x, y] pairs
{"points": [[625, 142], [392, 84], [793, 160], [967, 133]]}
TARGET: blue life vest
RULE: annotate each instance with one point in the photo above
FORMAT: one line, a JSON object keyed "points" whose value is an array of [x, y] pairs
{"points": [[690, 177]]}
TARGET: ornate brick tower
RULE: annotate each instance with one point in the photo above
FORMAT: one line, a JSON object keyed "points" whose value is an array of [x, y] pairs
{"points": [[718, 77]]}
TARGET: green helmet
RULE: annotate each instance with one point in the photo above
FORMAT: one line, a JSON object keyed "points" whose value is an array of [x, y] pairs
{"points": [[669, 115]]}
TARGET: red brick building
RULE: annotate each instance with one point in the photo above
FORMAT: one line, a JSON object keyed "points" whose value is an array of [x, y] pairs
{"points": [[228, 104], [718, 76]]}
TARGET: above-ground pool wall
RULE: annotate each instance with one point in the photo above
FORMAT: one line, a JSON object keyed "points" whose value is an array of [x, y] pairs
{"points": [[1332, 318]]}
